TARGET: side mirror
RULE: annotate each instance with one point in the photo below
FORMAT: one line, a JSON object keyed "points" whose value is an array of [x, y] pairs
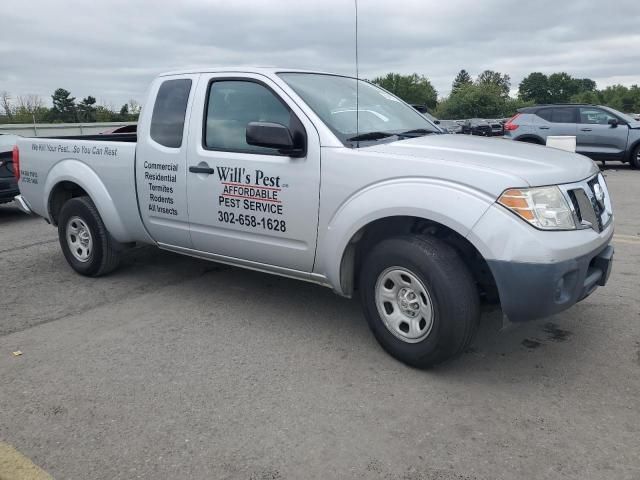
{"points": [[437, 122], [613, 122], [273, 135]]}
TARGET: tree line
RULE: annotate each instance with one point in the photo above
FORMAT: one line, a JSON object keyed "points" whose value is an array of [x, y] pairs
{"points": [[488, 95], [64, 109]]}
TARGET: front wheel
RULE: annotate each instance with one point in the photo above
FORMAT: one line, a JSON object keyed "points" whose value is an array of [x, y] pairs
{"points": [[420, 300], [85, 241]]}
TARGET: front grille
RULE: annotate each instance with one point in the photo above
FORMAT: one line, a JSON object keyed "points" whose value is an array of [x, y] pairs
{"points": [[590, 210]]}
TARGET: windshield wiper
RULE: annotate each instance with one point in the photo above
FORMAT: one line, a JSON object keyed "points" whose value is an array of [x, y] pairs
{"points": [[370, 136], [418, 132]]}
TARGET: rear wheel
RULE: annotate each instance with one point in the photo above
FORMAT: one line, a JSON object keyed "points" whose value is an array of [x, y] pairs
{"points": [[635, 158], [420, 300], [84, 239]]}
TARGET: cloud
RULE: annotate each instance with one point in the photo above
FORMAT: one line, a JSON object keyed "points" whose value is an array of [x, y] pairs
{"points": [[112, 49]]}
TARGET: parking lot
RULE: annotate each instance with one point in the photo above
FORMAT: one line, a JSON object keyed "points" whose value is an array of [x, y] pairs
{"points": [[173, 367]]}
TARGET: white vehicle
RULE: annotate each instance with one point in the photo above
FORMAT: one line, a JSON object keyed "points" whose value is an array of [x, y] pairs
{"points": [[268, 169]]}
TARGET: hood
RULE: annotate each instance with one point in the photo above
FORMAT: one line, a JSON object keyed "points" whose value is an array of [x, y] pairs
{"points": [[535, 165]]}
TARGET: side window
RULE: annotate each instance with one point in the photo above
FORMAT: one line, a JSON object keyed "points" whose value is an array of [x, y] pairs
{"points": [[232, 105], [167, 120], [545, 113], [595, 116], [564, 115]]}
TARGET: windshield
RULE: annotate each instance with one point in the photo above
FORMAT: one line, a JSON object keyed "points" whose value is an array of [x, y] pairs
{"points": [[380, 114]]}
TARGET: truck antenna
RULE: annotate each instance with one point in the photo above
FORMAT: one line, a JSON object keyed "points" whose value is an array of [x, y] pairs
{"points": [[357, 81]]}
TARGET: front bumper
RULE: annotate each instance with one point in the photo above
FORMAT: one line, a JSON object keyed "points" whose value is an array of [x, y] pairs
{"points": [[535, 290]]}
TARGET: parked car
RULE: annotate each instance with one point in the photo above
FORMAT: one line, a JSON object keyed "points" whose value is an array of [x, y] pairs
{"points": [[602, 133], [226, 167], [477, 126], [122, 129], [497, 127], [450, 126], [420, 108], [8, 183], [423, 110]]}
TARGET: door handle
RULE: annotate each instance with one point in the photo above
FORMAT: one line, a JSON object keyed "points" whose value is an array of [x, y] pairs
{"points": [[544, 128], [206, 170], [585, 129]]}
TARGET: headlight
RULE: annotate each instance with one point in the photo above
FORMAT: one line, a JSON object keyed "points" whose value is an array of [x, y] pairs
{"points": [[543, 207]]}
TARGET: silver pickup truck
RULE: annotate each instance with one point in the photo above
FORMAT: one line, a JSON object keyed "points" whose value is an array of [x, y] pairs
{"points": [[332, 180]]}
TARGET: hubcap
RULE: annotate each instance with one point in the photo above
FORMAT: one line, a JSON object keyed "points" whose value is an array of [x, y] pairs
{"points": [[79, 239], [404, 304]]}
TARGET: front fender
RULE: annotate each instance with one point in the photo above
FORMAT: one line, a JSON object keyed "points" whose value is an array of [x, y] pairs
{"points": [[455, 206], [70, 170]]}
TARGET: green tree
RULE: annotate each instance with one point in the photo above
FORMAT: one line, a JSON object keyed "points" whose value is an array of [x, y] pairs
{"points": [[562, 87], [462, 79], [479, 101], [87, 109], [64, 106], [556, 88], [489, 78], [415, 89], [586, 85], [621, 98], [482, 101], [105, 114], [535, 88]]}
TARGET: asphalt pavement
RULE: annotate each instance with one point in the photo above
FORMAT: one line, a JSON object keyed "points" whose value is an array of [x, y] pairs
{"points": [[173, 367]]}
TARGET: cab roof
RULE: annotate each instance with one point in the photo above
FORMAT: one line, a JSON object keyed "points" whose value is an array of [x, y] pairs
{"points": [[265, 70]]}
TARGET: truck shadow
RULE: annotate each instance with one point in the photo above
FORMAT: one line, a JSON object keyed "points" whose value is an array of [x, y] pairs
{"points": [[9, 213], [309, 312]]}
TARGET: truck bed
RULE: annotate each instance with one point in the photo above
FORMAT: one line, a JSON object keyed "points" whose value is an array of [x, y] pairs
{"points": [[106, 137], [102, 165]]}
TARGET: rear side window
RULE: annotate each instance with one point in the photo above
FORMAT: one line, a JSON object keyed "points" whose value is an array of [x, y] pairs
{"points": [[167, 121], [564, 115], [558, 115], [546, 113]]}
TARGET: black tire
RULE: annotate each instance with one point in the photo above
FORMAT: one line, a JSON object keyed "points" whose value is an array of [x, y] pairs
{"points": [[634, 161], [104, 255], [449, 283]]}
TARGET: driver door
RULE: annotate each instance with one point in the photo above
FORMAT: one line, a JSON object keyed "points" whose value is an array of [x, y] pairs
{"points": [[597, 138], [248, 202]]}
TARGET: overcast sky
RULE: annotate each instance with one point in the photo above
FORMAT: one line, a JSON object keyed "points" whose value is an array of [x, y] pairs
{"points": [[111, 48]]}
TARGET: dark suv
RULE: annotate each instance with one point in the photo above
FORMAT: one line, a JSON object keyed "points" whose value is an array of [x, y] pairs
{"points": [[602, 133]]}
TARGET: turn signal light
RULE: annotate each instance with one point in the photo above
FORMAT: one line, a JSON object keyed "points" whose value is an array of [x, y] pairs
{"points": [[516, 200]]}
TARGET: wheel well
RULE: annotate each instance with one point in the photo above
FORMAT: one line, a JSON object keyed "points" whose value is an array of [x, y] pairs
{"points": [[388, 227], [632, 150], [62, 192], [530, 139]]}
